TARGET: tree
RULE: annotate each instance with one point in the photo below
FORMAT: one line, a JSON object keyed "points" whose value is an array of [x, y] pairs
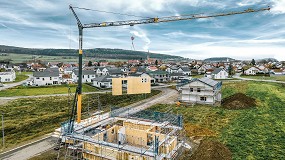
{"points": [[89, 64], [253, 62], [230, 69]]}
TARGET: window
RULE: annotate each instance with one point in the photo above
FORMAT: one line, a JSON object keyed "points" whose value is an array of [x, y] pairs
{"points": [[88, 76], [198, 89], [49, 78], [43, 79], [191, 89], [203, 99], [145, 80]]}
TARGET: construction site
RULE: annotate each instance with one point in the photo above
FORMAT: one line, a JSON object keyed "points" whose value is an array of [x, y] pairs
{"points": [[125, 136], [127, 133]]}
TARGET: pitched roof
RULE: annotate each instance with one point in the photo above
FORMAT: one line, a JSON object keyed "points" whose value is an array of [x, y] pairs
{"points": [[217, 70], [135, 74], [186, 69], [113, 71], [158, 72], [208, 81], [85, 72], [105, 78], [50, 72], [176, 74]]}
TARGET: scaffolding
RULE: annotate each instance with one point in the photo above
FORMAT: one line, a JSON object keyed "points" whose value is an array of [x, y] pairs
{"points": [[161, 136], [198, 91]]}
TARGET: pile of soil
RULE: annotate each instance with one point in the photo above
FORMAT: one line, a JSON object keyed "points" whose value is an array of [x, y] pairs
{"points": [[211, 150], [238, 101]]}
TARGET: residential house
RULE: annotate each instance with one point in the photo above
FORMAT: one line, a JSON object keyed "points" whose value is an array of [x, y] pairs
{"points": [[104, 81], [68, 70], [172, 69], [87, 76], [252, 71], [202, 91], [205, 68], [133, 62], [8, 76], [175, 76], [185, 70], [152, 80], [115, 72], [152, 68], [220, 73], [49, 76], [159, 76], [101, 71]]}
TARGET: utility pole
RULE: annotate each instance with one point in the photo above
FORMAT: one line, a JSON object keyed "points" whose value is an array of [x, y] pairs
{"points": [[3, 132]]}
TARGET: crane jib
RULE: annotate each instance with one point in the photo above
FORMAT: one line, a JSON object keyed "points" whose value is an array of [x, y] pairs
{"points": [[169, 19]]}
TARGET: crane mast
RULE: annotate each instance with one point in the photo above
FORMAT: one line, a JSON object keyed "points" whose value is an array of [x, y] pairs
{"points": [[132, 23]]}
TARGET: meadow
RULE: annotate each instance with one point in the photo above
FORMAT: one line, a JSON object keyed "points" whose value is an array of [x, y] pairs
{"points": [[255, 133], [44, 90], [26, 119]]}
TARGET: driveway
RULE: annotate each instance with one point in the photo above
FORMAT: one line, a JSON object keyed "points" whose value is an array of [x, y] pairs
{"points": [[10, 85]]}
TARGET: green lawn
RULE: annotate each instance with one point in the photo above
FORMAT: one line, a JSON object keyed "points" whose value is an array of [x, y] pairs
{"points": [[43, 90], [272, 77], [26, 119], [256, 133], [19, 58]]}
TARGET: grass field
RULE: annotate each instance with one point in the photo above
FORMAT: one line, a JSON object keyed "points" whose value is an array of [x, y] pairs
{"points": [[272, 77], [18, 58], [26, 119], [256, 133], [43, 90]]}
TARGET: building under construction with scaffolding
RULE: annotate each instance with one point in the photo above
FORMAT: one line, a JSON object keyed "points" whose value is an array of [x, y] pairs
{"points": [[145, 135], [129, 133], [202, 91]]}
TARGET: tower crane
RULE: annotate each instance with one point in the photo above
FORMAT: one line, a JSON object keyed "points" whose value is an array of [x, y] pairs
{"points": [[78, 95]]}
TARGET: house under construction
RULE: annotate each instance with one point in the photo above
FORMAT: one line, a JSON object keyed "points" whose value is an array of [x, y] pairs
{"points": [[142, 136], [202, 91]]}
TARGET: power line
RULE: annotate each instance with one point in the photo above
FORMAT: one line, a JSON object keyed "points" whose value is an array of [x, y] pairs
{"points": [[95, 10]]}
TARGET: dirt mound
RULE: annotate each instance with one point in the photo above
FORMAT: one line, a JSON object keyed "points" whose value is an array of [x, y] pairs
{"points": [[238, 101], [211, 150]]}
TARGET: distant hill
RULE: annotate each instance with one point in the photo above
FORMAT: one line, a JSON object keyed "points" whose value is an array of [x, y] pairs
{"points": [[219, 59], [266, 60], [102, 53]]}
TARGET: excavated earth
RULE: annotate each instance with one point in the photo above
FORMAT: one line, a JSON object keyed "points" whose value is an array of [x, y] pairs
{"points": [[211, 150], [238, 101]]}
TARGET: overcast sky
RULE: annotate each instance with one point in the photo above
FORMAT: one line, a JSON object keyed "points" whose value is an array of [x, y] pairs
{"points": [[50, 24]]}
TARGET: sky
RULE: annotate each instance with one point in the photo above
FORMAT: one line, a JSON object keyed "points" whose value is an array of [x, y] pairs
{"points": [[50, 24]]}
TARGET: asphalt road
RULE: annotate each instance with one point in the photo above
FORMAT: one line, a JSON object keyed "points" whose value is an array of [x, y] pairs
{"points": [[257, 80], [29, 150], [10, 85]]}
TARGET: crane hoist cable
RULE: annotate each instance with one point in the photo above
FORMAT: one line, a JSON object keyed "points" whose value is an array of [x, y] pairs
{"points": [[145, 20]]}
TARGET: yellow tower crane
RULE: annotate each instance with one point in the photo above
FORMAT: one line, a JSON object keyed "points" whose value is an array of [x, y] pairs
{"points": [[78, 95]]}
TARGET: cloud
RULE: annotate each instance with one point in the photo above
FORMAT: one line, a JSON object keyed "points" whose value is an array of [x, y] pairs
{"points": [[278, 6], [45, 24]]}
